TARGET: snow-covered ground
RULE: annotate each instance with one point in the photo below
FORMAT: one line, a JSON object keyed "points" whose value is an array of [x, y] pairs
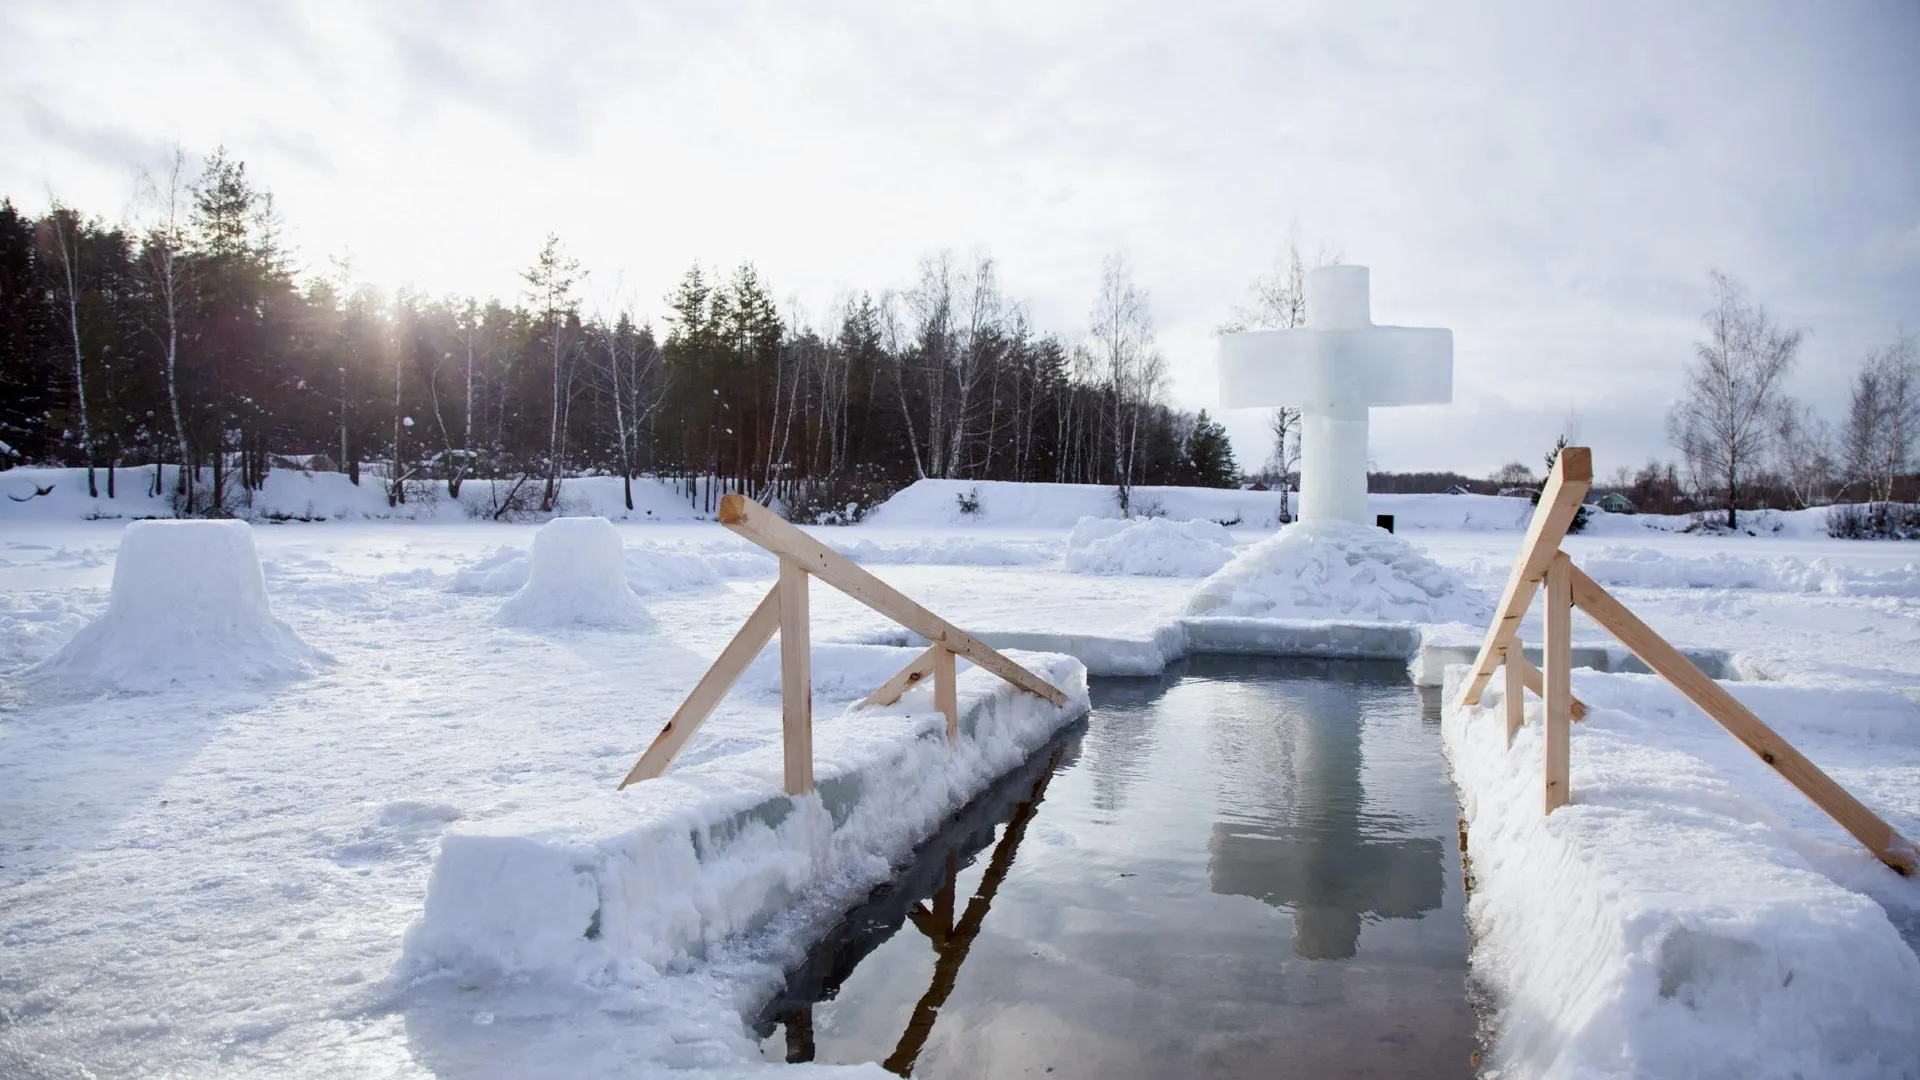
{"points": [[222, 879]]}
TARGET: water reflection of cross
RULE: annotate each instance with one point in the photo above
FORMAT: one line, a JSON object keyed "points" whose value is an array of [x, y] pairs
{"points": [[1312, 852]]}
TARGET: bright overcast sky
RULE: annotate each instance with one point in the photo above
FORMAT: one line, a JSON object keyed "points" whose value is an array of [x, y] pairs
{"points": [[1551, 181]]}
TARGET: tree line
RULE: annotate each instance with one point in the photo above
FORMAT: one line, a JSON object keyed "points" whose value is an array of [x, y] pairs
{"points": [[190, 336]]}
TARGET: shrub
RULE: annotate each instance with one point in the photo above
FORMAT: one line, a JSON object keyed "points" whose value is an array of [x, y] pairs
{"points": [[1874, 521], [969, 501]]}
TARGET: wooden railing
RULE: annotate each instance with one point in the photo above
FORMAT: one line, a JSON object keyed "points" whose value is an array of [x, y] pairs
{"points": [[1542, 562], [784, 611]]}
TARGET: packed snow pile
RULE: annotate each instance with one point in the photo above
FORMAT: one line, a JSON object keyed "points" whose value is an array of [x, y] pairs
{"points": [[1148, 547], [1639, 567], [188, 607], [578, 578], [1690, 914], [1338, 570]]}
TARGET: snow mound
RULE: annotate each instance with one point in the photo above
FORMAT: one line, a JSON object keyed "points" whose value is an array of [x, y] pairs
{"points": [[1638, 567], [1337, 570], [1148, 547], [578, 578], [188, 607]]}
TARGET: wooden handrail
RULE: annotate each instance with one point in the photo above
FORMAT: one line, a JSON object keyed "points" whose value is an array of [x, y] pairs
{"points": [[785, 611], [1541, 560]]}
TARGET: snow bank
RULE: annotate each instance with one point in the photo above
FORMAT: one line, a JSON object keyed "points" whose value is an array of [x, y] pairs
{"points": [[635, 887], [1689, 915], [1336, 570], [1150, 547], [578, 577], [188, 607], [1641, 567]]}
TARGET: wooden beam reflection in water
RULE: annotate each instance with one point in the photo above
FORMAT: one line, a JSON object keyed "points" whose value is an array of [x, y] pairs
{"points": [[951, 941]]}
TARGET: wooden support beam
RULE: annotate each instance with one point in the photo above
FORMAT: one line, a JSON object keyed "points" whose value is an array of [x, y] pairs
{"points": [[747, 642], [1714, 700], [1530, 675], [916, 672], [796, 678], [1559, 502], [1516, 687], [946, 690], [1556, 658], [765, 528]]}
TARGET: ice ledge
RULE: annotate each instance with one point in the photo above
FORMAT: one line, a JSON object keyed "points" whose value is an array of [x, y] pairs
{"points": [[619, 887]]}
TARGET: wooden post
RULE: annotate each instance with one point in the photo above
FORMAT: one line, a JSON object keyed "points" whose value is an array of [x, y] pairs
{"points": [[796, 678], [747, 642], [1559, 502], [1516, 688], [1557, 661], [946, 694], [1712, 698]]}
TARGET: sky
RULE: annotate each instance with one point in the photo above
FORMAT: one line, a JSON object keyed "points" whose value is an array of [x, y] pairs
{"points": [[1553, 182]]}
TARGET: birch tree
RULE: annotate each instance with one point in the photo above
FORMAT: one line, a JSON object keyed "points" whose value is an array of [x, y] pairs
{"points": [[550, 284], [1723, 422], [60, 248]]}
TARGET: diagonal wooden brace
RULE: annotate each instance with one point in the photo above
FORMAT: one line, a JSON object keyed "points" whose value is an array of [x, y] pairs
{"points": [[747, 642]]}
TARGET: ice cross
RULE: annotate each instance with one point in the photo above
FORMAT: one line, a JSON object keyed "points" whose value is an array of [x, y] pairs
{"points": [[1334, 369]]}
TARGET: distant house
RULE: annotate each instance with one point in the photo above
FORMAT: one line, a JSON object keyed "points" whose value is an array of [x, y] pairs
{"points": [[1458, 489], [1615, 503], [1519, 493]]}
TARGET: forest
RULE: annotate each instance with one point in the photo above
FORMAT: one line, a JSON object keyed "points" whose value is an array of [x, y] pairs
{"points": [[190, 337]]}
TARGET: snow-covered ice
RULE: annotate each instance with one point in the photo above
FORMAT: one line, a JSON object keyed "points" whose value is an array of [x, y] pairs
{"points": [[1690, 914], [578, 578], [221, 880]]}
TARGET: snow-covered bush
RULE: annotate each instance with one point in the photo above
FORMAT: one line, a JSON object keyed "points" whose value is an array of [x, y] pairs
{"points": [[1874, 521]]}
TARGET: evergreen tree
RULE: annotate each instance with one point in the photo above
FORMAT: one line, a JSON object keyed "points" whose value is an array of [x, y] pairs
{"points": [[1209, 455]]}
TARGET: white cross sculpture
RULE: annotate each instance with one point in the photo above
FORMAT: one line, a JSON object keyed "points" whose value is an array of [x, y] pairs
{"points": [[1334, 369]]}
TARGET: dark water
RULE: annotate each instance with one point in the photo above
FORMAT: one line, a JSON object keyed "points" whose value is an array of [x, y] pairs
{"points": [[1245, 869]]}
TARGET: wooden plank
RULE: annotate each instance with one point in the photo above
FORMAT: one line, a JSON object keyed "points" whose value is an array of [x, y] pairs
{"points": [[946, 690], [764, 527], [1559, 502], [1712, 698], [1530, 676], [747, 642], [796, 678], [909, 677], [1556, 657], [1516, 687]]}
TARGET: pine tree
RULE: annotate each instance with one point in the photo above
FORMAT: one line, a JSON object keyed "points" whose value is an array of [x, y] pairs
{"points": [[1209, 455]]}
